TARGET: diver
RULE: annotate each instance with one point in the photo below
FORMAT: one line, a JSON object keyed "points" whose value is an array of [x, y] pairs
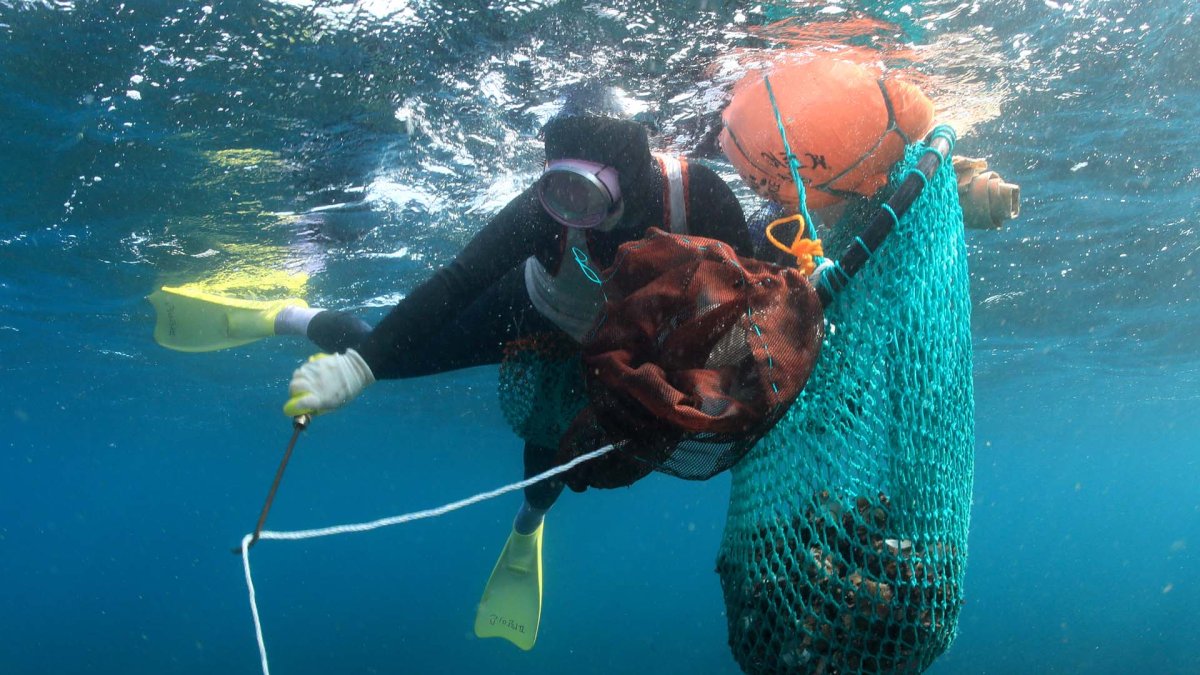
{"points": [[530, 271]]}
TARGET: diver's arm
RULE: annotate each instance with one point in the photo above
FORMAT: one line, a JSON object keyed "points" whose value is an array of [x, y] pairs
{"points": [[508, 239], [714, 211]]}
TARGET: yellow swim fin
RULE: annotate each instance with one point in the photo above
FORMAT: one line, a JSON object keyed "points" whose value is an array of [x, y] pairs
{"points": [[191, 320], [511, 607]]}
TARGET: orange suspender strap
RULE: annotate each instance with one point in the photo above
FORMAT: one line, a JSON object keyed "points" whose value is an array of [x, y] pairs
{"points": [[675, 193]]}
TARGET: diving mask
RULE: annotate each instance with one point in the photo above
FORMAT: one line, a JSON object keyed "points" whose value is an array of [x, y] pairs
{"points": [[579, 193]]}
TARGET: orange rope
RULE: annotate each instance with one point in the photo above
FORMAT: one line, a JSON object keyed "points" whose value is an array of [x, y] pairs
{"points": [[802, 248]]}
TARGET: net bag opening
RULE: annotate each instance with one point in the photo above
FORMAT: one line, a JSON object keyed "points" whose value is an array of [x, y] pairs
{"points": [[697, 354]]}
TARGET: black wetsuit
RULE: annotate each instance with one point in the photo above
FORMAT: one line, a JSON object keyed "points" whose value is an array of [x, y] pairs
{"points": [[470, 309]]}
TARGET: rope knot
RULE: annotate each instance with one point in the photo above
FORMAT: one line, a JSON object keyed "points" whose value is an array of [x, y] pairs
{"points": [[805, 250]]}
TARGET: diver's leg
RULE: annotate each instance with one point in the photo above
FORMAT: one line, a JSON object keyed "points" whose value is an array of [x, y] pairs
{"points": [[539, 497], [511, 605]]}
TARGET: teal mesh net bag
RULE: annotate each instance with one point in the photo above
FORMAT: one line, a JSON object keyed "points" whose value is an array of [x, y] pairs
{"points": [[846, 538]]}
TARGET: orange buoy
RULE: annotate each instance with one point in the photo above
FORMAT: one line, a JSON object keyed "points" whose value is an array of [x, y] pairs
{"points": [[846, 123]]}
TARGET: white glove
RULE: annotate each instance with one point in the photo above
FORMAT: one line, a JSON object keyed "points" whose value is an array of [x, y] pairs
{"points": [[326, 383]]}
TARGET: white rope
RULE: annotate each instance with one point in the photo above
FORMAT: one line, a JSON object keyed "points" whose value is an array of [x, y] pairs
{"points": [[385, 522], [262, 646]]}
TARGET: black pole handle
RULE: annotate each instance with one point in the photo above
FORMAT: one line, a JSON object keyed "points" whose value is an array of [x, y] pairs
{"points": [[859, 252], [299, 423]]}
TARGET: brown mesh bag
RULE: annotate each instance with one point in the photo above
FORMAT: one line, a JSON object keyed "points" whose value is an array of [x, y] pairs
{"points": [[697, 355]]}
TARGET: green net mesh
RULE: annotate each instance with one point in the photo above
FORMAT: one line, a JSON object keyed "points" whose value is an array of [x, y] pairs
{"points": [[541, 387], [846, 539]]}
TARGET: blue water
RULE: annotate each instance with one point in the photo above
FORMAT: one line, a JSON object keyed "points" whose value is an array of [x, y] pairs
{"points": [[149, 143]]}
